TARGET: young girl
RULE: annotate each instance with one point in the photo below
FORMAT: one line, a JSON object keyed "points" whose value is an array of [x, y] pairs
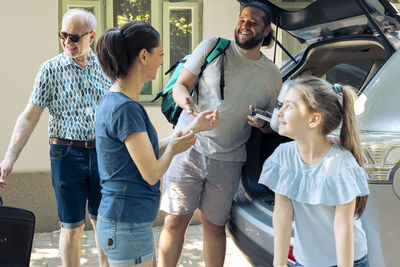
{"points": [[319, 183], [131, 161]]}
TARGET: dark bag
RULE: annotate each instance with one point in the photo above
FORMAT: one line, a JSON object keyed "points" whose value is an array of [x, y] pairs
{"points": [[16, 236], [168, 106]]}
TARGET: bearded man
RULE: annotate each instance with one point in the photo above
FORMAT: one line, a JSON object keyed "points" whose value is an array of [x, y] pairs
{"points": [[207, 175]]}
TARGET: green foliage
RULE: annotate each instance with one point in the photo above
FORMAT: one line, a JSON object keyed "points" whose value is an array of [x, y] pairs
{"points": [[126, 10], [179, 25]]}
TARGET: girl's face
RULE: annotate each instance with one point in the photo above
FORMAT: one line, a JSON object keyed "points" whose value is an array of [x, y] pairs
{"points": [[294, 115]]}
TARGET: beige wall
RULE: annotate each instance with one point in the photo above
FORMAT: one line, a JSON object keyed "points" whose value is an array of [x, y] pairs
{"points": [[31, 31], [29, 37], [220, 18]]}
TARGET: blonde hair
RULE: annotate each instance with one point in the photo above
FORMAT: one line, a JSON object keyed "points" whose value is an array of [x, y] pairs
{"points": [[335, 109]]}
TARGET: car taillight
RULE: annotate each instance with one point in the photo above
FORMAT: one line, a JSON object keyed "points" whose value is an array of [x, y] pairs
{"points": [[290, 255], [381, 153]]}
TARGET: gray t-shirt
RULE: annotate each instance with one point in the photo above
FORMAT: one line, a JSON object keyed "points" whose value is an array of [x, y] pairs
{"points": [[247, 82]]}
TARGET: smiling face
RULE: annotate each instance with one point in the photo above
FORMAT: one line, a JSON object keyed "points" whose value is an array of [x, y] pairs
{"points": [[294, 116], [76, 25], [250, 30]]}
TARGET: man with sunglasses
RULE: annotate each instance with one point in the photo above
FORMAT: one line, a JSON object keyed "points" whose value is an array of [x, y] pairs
{"points": [[70, 85]]}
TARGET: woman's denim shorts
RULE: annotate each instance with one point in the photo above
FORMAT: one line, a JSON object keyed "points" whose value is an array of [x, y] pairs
{"points": [[124, 243], [363, 262]]}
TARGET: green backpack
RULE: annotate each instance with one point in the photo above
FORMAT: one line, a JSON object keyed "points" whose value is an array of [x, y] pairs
{"points": [[168, 106]]}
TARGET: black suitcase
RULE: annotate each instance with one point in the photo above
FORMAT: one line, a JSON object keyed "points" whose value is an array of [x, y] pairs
{"points": [[16, 236]]}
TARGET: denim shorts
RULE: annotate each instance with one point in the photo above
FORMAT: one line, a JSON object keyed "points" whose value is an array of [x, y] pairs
{"points": [[125, 243], [363, 262], [75, 180]]}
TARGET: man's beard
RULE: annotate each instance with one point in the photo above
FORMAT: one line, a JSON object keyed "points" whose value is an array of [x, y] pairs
{"points": [[249, 44]]}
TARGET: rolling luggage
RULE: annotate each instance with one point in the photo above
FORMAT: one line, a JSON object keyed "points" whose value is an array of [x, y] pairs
{"points": [[16, 236]]}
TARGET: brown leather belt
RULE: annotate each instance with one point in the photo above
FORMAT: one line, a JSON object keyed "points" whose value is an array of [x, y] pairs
{"points": [[67, 142]]}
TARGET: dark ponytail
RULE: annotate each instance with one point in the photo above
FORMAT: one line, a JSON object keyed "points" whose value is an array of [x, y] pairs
{"points": [[118, 48]]}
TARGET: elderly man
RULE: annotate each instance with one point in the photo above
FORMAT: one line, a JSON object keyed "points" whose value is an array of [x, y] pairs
{"points": [[70, 85], [206, 176]]}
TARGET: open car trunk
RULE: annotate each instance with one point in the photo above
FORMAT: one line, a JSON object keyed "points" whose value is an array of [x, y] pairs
{"points": [[346, 60], [326, 19], [354, 42]]}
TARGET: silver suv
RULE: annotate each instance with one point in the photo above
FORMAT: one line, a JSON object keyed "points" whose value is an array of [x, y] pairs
{"points": [[354, 42]]}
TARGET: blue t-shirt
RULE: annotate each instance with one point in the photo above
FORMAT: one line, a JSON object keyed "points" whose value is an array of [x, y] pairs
{"points": [[126, 196]]}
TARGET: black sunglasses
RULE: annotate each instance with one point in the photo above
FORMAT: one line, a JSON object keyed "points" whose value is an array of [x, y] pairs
{"points": [[73, 37]]}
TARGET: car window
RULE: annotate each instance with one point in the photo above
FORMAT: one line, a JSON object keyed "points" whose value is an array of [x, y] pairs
{"points": [[292, 45], [292, 5], [351, 73]]}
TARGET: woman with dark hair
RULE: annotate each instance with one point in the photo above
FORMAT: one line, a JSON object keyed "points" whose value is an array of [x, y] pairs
{"points": [[131, 160]]}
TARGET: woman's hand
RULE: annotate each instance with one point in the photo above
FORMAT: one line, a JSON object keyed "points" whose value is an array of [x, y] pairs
{"points": [[180, 142], [142, 153], [205, 121]]}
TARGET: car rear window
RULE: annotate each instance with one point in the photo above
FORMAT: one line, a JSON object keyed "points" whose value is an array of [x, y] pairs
{"points": [[352, 73]]}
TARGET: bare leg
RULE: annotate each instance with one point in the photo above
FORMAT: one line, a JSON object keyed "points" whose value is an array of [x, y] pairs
{"points": [[214, 243], [171, 239], [155, 255], [102, 257], [70, 246]]}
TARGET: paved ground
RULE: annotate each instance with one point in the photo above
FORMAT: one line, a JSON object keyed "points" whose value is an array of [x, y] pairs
{"points": [[45, 250]]}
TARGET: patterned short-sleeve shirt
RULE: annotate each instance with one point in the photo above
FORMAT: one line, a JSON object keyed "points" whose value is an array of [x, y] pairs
{"points": [[71, 94]]}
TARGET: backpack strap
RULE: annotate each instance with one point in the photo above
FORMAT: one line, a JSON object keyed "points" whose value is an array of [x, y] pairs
{"points": [[218, 50], [174, 66], [168, 89], [222, 77]]}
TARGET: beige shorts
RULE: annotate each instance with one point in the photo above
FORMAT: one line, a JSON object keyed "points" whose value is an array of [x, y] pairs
{"points": [[196, 181]]}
